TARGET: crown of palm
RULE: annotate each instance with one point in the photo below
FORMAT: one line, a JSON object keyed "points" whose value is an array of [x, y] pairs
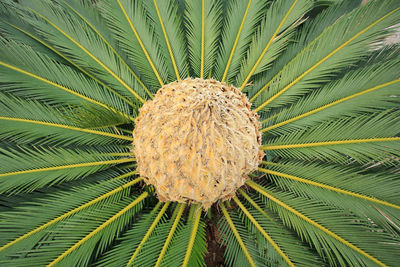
{"points": [[73, 75]]}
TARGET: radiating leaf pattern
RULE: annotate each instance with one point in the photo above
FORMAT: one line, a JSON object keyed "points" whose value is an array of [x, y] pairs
{"points": [[74, 73]]}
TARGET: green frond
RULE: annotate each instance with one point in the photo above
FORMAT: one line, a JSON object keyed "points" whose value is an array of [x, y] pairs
{"points": [[349, 188], [350, 95], [203, 23], [30, 122], [102, 235], [375, 138], [168, 25], [327, 55], [83, 232], [241, 250], [339, 237], [236, 36], [59, 206], [189, 245], [77, 40], [310, 29], [46, 80], [130, 27], [127, 244], [271, 242], [154, 246], [299, 252], [91, 16], [149, 231], [95, 118], [178, 210], [13, 28], [195, 252], [338, 190], [281, 18], [26, 169]]}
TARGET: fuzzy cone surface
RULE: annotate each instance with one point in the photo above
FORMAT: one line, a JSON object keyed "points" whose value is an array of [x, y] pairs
{"points": [[197, 140], [199, 133]]}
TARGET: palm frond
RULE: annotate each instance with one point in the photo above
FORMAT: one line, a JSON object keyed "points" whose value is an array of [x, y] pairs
{"points": [[349, 95], [46, 80], [168, 25], [376, 138], [203, 22], [149, 231], [88, 50], [131, 28], [98, 230], [127, 244], [299, 252], [27, 169], [59, 206], [239, 246], [327, 54], [347, 242], [349, 188], [280, 20], [266, 236], [30, 122], [310, 29], [157, 245], [236, 36], [332, 188], [189, 245], [195, 251], [102, 235], [13, 28], [179, 210], [91, 16], [92, 117]]}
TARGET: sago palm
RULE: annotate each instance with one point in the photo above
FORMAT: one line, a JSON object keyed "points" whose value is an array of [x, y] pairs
{"points": [[199, 132]]}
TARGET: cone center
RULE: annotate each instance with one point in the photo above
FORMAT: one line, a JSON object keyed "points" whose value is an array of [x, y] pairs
{"points": [[196, 141]]}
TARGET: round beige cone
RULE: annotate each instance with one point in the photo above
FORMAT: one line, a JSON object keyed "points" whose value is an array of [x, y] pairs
{"points": [[196, 141]]}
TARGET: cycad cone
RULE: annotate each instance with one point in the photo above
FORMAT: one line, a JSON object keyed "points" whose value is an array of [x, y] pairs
{"points": [[196, 141]]}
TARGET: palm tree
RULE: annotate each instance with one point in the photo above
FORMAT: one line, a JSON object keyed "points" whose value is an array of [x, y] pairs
{"points": [[74, 75]]}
